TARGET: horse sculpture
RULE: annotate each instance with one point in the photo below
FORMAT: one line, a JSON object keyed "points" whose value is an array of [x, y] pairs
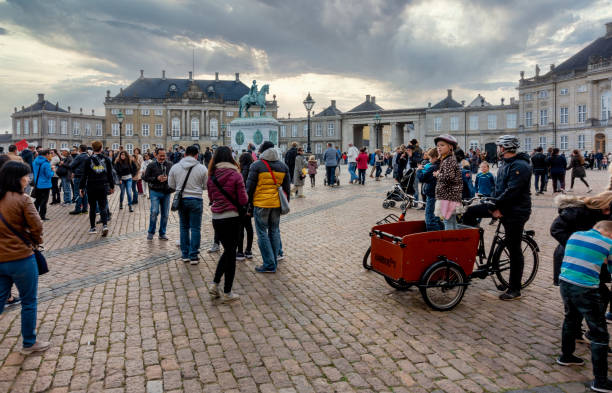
{"points": [[259, 100]]}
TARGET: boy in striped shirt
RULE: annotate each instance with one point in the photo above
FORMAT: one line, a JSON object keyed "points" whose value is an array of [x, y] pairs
{"points": [[585, 253]]}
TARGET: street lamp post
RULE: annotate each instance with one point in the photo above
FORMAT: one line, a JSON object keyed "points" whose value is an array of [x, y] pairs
{"points": [[223, 127], [120, 120], [377, 120], [308, 104]]}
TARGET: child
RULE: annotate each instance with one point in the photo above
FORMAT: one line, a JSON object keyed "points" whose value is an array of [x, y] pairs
{"points": [[585, 253], [485, 181], [449, 185], [312, 169], [425, 175], [466, 175]]}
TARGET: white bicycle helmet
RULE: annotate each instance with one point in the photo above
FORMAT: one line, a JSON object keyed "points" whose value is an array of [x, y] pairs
{"points": [[508, 142]]}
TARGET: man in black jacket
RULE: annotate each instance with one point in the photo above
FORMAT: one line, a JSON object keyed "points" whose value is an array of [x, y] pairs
{"points": [[97, 179], [290, 159], [540, 164], [77, 169], [157, 177]]}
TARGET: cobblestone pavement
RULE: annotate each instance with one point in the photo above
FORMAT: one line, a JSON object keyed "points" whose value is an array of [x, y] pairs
{"points": [[126, 315]]}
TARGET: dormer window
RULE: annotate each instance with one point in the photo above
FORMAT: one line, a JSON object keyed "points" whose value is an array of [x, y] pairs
{"points": [[172, 88]]}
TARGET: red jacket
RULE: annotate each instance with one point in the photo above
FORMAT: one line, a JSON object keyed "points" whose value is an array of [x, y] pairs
{"points": [[231, 181], [362, 161]]}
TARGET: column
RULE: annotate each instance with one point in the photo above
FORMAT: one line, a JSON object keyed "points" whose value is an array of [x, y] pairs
{"points": [[396, 136], [373, 137], [202, 125], [188, 124], [182, 122], [168, 122], [406, 133], [207, 128]]}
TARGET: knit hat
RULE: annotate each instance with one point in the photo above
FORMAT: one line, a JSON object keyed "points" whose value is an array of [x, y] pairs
{"points": [[265, 146]]}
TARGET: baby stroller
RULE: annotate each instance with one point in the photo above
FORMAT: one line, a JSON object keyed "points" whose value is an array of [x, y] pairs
{"points": [[402, 192], [337, 177]]}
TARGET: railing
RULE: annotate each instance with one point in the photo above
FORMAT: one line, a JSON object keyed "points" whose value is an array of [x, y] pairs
{"points": [[600, 66], [601, 123]]}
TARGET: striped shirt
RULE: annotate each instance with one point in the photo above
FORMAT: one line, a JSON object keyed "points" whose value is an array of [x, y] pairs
{"points": [[585, 253]]}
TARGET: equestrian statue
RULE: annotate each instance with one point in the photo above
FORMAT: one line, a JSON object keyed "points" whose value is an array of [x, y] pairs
{"points": [[254, 98]]}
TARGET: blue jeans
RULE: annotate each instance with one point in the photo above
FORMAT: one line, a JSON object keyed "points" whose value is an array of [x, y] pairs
{"points": [[432, 222], [160, 203], [67, 187], [134, 191], [190, 218], [540, 179], [126, 188], [352, 167], [24, 274], [81, 203], [362, 176], [378, 170], [331, 175], [267, 222], [416, 188]]}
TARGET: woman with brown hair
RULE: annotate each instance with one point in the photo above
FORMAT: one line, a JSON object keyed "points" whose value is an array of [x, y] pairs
{"points": [[578, 171], [126, 168]]}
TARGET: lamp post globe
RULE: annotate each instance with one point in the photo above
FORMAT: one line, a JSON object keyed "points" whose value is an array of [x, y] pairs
{"points": [[308, 104], [120, 120]]}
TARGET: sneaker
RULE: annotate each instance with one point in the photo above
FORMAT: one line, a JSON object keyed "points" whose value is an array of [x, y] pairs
{"points": [[149, 236], [120, 207], [104, 230], [280, 257], [185, 259], [215, 248], [92, 231], [131, 209], [510, 295], [214, 290], [601, 386], [261, 269], [248, 255], [229, 297], [163, 237], [194, 261], [38, 346], [570, 360], [240, 256], [609, 317]]}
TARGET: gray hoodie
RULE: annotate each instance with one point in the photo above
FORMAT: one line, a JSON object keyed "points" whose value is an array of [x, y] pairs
{"points": [[196, 184]]}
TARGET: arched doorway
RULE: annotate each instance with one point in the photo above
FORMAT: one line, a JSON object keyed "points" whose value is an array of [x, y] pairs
{"points": [[600, 143]]}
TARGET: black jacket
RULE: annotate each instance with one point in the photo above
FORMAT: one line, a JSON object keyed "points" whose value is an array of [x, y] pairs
{"points": [[155, 169], [290, 160], [124, 170], [97, 174], [76, 166], [245, 160], [426, 177], [512, 187], [27, 157], [558, 164], [539, 162]]}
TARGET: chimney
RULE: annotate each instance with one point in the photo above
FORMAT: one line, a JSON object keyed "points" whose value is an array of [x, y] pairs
{"points": [[81, 110], [93, 112], [121, 91], [216, 76], [190, 75], [15, 109], [289, 115], [22, 107], [502, 101], [537, 70], [367, 98], [450, 93], [68, 108], [41, 97], [333, 103], [141, 74], [552, 67], [608, 29], [274, 97], [108, 93], [511, 100], [522, 75], [237, 77], [429, 104], [481, 101], [163, 74]]}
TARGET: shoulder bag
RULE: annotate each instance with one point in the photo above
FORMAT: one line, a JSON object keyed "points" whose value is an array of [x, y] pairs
{"points": [[41, 261], [241, 209], [35, 183], [284, 202], [177, 201]]}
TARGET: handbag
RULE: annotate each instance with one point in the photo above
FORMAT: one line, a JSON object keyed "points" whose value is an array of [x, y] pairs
{"points": [[284, 202], [35, 184], [41, 261], [241, 209], [178, 197]]}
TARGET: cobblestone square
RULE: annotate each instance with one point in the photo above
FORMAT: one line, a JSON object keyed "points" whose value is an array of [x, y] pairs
{"points": [[126, 315]]}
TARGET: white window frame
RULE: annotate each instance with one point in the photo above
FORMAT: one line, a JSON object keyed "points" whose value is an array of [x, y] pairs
{"points": [[195, 127], [145, 147], [51, 126], [543, 141], [18, 127], [492, 122], [543, 94], [319, 129], [606, 100], [159, 112], [64, 145], [129, 129], [144, 112], [87, 129], [543, 117], [114, 111], [26, 127], [115, 146], [305, 130], [51, 145], [511, 120], [318, 148], [454, 123], [294, 131], [98, 129], [34, 126], [563, 115], [129, 148], [283, 131], [229, 113], [473, 122], [129, 112], [176, 127], [581, 89], [564, 91], [564, 142], [528, 96], [331, 129], [529, 119], [437, 123], [581, 142], [582, 113], [159, 129], [527, 143], [76, 128], [145, 129], [63, 127], [214, 127], [115, 129], [474, 144]]}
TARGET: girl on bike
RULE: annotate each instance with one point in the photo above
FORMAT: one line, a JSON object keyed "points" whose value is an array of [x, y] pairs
{"points": [[449, 184]]}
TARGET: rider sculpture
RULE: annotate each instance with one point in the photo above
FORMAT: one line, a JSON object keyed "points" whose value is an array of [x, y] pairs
{"points": [[254, 98]]}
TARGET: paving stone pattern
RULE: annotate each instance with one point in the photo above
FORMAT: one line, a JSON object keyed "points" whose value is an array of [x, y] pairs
{"points": [[126, 315]]}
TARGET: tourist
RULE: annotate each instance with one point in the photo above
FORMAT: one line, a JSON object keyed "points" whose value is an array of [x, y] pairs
{"points": [[331, 158], [378, 162], [425, 175], [540, 165], [207, 156], [290, 159], [299, 175], [20, 222], [313, 165], [351, 155], [402, 163], [55, 192], [466, 176], [97, 181], [157, 177], [265, 177], [449, 184], [137, 178], [27, 155], [12, 154], [42, 182], [228, 198], [125, 168], [416, 156], [145, 163], [77, 168], [63, 171], [362, 165], [485, 181], [578, 171], [246, 160], [558, 165]]}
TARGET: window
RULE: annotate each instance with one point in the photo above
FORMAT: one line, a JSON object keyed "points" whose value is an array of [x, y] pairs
{"points": [[129, 111], [176, 127], [492, 122], [64, 145], [473, 144], [294, 130], [305, 147], [454, 123], [543, 94], [543, 117], [229, 114], [528, 143], [34, 126], [145, 130], [129, 129], [474, 122], [564, 142], [18, 127], [159, 112], [115, 129], [437, 124], [144, 112], [563, 115], [318, 148], [145, 147], [283, 131], [543, 142], [605, 107], [528, 119], [51, 126], [564, 92], [115, 146], [159, 145], [63, 127], [528, 97], [159, 129], [87, 129], [511, 120], [130, 148], [581, 144], [214, 127], [26, 127], [581, 89], [51, 145], [305, 130], [195, 127], [76, 128], [319, 129], [582, 113], [98, 129], [331, 129], [114, 111]]}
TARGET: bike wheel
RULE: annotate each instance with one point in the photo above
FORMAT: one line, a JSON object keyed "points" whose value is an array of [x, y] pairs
{"points": [[366, 259], [501, 262], [443, 285], [385, 205], [397, 284]]}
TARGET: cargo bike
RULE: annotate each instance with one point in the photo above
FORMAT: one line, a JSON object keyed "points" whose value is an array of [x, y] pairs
{"points": [[441, 263]]}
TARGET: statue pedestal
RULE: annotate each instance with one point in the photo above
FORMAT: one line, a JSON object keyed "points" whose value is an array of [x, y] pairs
{"points": [[255, 130]]}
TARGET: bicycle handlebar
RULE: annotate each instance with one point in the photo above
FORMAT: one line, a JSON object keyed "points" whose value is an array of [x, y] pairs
{"points": [[477, 197]]}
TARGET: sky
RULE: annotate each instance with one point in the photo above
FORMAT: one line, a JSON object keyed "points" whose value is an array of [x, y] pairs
{"points": [[406, 53]]}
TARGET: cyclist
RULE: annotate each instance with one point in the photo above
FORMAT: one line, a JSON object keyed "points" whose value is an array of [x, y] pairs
{"points": [[512, 206]]}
